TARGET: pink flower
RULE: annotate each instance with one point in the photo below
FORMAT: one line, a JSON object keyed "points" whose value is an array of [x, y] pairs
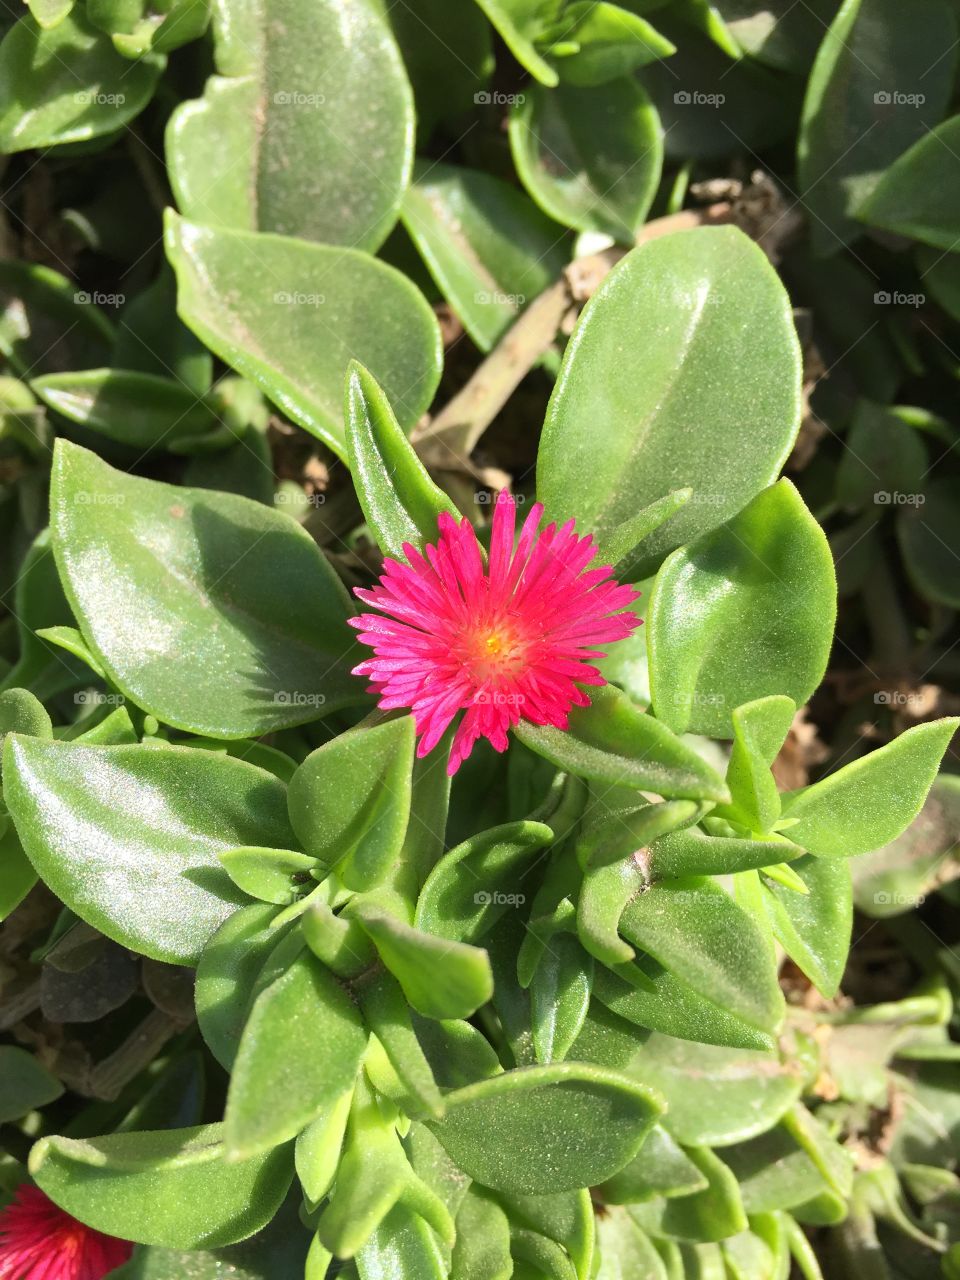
{"points": [[38, 1241], [509, 642]]}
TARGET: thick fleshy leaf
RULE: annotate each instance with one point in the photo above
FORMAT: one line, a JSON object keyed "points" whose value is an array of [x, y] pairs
{"points": [[212, 612], [279, 141], [67, 84], [400, 501], [402, 1247], [248, 297], [713, 1214], [625, 1250], [300, 1051], [745, 612], [489, 248], [21, 712], [521, 23], [25, 1084], [869, 803], [387, 1014], [350, 801], [46, 324], [692, 852], [612, 741], [814, 928], [660, 1169], [697, 930], [559, 997], [473, 885], [716, 1096], [692, 327], [268, 874], [440, 978], [137, 409], [154, 885], [929, 533], [759, 730], [609, 189], [917, 195], [881, 80], [546, 1129], [598, 42], [883, 455], [778, 33], [17, 876], [482, 1250], [172, 1188]]}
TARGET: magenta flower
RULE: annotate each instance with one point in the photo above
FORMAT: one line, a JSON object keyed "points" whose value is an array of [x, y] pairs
{"points": [[509, 643], [39, 1241]]}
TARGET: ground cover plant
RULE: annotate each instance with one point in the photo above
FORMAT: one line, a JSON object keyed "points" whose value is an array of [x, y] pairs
{"points": [[479, 648]]}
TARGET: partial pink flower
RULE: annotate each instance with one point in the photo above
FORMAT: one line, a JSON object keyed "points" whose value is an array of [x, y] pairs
{"points": [[509, 642], [38, 1241]]}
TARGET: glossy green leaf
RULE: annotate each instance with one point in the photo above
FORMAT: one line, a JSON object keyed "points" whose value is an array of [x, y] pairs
{"points": [[717, 1096], [482, 1250], [612, 741], [226, 974], [929, 533], [661, 1168], [402, 1246], [626, 1252], [386, 1012], [521, 23], [697, 930], [713, 1214], [546, 1129], [156, 885], [553, 136], [881, 80], [25, 1084], [559, 997], [250, 298], [814, 928], [183, 593], [440, 978], [759, 731], [745, 612], [350, 800], [917, 195], [399, 500], [268, 874], [474, 884], [692, 327], [279, 141], [317, 1152], [300, 1051], [601, 42], [489, 248], [17, 876], [46, 324], [21, 712], [868, 803], [173, 1188], [137, 409], [67, 84]]}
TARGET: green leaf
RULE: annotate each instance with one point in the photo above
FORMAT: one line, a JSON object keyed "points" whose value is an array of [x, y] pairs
{"points": [[182, 594], [715, 1095], [881, 80], [612, 741], [482, 1250], [350, 801], [173, 1188], [929, 533], [777, 32], [661, 1169], [814, 927], [553, 137], [546, 1129], [67, 84], [520, 24], [401, 1247], [774, 1173], [399, 500], [692, 852], [21, 712], [440, 978], [154, 885], [473, 885], [759, 731], [715, 1213], [44, 320], [248, 296], [226, 973], [386, 1013], [300, 1051], [692, 327], [17, 876], [280, 139], [746, 612], [868, 803], [489, 248], [267, 874], [559, 997], [599, 42], [883, 453], [695, 928], [624, 1250], [917, 195], [49, 13], [317, 1152], [25, 1085], [137, 409]]}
